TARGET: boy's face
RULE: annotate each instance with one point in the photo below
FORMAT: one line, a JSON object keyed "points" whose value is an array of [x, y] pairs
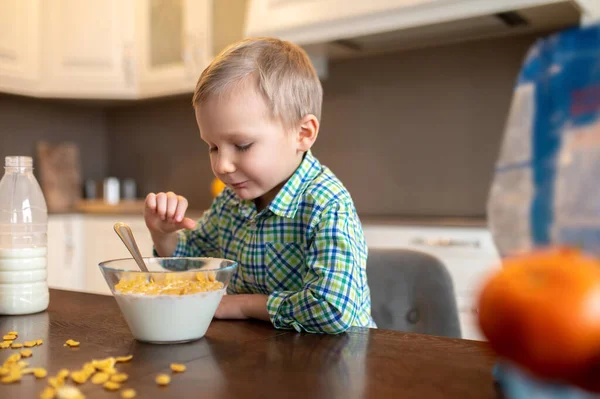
{"points": [[249, 151]]}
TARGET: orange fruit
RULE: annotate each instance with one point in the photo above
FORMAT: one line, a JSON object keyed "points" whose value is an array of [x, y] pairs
{"points": [[216, 187], [542, 311]]}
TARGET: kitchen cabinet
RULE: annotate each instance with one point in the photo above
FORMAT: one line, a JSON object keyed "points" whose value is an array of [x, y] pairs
{"points": [[173, 44], [103, 49], [66, 257], [468, 253], [19, 46], [102, 243], [77, 243], [86, 51], [364, 27]]}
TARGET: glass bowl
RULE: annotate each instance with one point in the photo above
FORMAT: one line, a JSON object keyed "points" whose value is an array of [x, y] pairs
{"points": [[173, 303]]}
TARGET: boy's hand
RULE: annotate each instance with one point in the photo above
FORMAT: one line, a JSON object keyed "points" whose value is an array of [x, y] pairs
{"points": [[164, 213], [244, 306], [230, 308]]}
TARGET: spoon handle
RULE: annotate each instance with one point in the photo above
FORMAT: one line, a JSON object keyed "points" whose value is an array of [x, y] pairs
{"points": [[126, 235]]}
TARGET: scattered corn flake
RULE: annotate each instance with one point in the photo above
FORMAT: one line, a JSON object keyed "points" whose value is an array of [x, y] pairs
{"points": [[5, 344], [62, 375], [29, 344], [55, 382], [178, 368], [71, 343], [89, 369], [26, 353], [163, 379], [27, 371], [39, 341], [22, 364], [120, 377], [12, 359], [112, 386], [79, 377], [69, 392], [4, 370], [40, 372], [110, 371], [48, 393], [104, 364], [13, 376], [128, 394], [100, 378], [9, 337], [123, 359], [16, 345], [13, 333]]}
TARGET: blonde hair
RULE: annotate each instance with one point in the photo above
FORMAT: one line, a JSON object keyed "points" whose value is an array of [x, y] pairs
{"points": [[282, 71]]}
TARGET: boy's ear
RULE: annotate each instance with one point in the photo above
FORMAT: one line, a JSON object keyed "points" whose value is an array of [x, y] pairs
{"points": [[308, 129]]}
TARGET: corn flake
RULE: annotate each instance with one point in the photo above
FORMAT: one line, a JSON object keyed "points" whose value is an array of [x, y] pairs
{"points": [[13, 333], [69, 392], [71, 343], [163, 379], [100, 378], [120, 377], [40, 372], [29, 344], [178, 368], [123, 359], [89, 369], [104, 364], [14, 375], [16, 345], [169, 284], [12, 359], [79, 377], [62, 375], [48, 393], [128, 394], [5, 344], [9, 337], [55, 382], [39, 341], [112, 386], [26, 353]]}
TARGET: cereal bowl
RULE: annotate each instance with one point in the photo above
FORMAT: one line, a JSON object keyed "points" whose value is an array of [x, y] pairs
{"points": [[173, 303]]}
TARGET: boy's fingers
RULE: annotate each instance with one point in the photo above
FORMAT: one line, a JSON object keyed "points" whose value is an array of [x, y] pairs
{"points": [[181, 208], [188, 223], [171, 204], [161, 205], [151, 201]]}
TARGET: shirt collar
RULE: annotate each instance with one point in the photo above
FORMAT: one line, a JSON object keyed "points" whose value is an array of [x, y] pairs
{"points": [[286, 202]]}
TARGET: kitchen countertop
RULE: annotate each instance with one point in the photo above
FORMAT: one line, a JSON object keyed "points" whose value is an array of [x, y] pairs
{"points": [[244, 359], [133, 209], [437, 221]]}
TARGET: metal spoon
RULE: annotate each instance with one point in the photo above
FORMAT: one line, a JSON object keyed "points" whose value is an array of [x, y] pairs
{"points": [[126, 235]]}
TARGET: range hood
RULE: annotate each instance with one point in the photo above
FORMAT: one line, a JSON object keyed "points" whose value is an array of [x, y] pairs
{"points": [[346, 28]]}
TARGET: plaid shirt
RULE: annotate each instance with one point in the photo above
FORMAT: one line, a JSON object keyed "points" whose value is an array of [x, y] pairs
{"points": [[306, 251]]}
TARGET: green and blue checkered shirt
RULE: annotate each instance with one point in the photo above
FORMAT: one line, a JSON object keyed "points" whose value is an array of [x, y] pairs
{"points": [[306, 251]]}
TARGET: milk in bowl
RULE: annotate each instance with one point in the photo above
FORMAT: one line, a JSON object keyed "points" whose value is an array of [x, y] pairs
{"points": [[175, 302]]}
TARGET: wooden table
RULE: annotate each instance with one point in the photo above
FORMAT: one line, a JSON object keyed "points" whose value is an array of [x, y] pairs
{"points": [[242, 359]]}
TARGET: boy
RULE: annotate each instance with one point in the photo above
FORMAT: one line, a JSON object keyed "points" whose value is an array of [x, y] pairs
{"points": [[286, 219]]}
